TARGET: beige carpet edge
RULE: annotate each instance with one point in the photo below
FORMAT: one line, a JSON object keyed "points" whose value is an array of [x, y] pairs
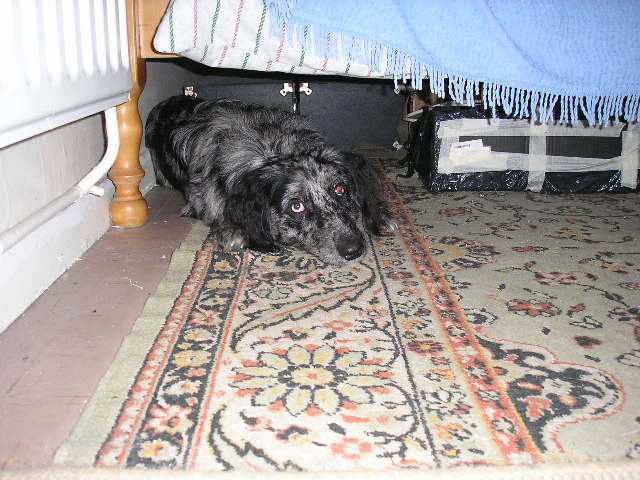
{"points": [[99, 415], [618, 470]]}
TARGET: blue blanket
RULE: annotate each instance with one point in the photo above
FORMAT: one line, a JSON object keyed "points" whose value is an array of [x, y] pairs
{"points": [[530, 56]]}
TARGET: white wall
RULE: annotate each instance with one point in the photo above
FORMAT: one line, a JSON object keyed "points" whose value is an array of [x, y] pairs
{"points": [[32, 173], [37, 170]]}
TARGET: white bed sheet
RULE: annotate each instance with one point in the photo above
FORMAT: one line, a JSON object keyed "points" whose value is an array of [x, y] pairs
{"points": [[237, 34]]}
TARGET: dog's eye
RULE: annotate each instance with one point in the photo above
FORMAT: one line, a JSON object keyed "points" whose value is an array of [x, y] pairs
{"points": [[298, 207], [340, 190]]}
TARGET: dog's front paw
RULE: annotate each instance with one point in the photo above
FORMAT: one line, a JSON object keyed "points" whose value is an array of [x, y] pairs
{"points": [[388, 223], [382, 223], [188, 211], [230, 240]]}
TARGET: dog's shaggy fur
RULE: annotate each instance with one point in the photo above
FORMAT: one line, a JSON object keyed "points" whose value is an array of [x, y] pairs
{"points": [[263, 178]]}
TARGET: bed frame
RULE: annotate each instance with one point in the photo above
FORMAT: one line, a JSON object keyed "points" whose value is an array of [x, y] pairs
{"points": [[129, 208]]}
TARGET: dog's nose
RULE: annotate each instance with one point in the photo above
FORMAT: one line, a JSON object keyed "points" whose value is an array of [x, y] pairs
{"points": [[350, 248]]}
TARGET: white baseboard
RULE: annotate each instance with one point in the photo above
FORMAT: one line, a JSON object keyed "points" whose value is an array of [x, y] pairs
{"points": [[33, 264]]}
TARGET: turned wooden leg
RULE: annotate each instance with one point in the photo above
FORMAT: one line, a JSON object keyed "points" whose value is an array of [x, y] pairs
{"points": [[129, 208]]}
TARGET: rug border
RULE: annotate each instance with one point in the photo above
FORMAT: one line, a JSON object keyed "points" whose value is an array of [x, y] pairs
{"points": [[102, 410]]}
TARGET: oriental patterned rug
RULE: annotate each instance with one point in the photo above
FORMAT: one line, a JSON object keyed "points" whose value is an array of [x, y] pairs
{"points": [[493, 328]]}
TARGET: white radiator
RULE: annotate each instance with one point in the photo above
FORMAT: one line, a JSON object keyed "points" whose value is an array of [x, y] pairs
{"points": [[61, 60]]}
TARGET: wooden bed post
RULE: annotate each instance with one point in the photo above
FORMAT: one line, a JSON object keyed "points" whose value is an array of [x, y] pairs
{"points": [[129, 208]]}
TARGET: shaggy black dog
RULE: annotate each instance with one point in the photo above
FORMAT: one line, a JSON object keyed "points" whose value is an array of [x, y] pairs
{"points": [[263, 178]]}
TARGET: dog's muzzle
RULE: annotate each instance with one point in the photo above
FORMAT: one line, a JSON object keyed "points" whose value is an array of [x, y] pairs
{"points": [[349, 247]]}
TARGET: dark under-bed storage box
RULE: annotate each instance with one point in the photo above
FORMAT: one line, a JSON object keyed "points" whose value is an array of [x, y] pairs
{"points": [[462, 148]]}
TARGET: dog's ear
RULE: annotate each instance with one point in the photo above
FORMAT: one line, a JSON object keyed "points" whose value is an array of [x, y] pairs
{"points": [[248, 209], [369, 195]]}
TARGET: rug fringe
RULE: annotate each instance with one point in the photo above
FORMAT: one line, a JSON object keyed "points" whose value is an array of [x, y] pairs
{"points": [[518, 102]]}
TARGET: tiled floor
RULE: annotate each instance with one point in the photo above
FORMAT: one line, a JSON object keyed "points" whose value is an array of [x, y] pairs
{"points": [[53, 356]]}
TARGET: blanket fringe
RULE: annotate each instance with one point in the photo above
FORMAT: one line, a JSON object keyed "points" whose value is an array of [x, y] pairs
{"points": [[517, 102]]}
